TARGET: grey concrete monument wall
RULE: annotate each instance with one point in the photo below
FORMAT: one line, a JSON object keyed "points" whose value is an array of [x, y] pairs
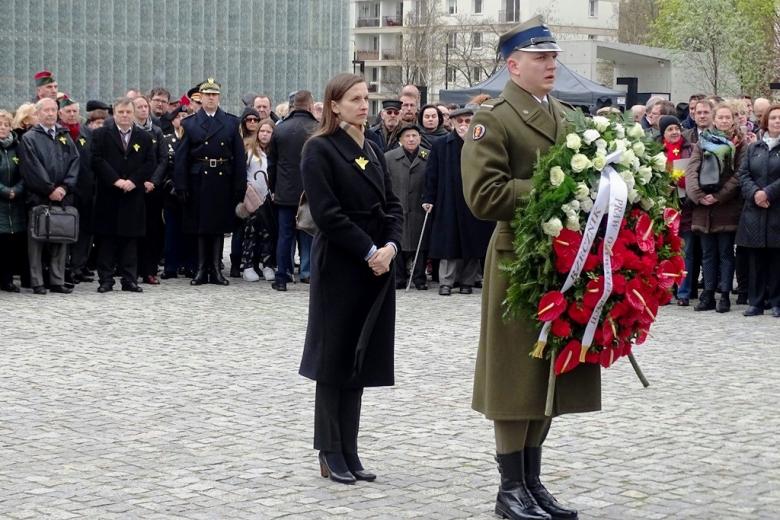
{"points": [[97, 49]]}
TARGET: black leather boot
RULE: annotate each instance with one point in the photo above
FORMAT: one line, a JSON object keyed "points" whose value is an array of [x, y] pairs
{"points": [[235, 266], [333, 466], [706, 302], [724, 304], [202, 276], [514, 500], [533, 465], [216, 259]]}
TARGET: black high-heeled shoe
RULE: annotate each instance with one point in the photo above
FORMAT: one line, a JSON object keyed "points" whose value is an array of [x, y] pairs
{"points": [[333, 466], [356, 468]]}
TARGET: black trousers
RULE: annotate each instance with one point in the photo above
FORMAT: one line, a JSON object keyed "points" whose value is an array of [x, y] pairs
{"points": [[150, 247], [336, 418], [13, 257], [404, 261], [117, 251], [764, 276]]}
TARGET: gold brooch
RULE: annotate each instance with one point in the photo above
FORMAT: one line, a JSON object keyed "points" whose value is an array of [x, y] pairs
{"points": [[362, 162], [136, 147]]}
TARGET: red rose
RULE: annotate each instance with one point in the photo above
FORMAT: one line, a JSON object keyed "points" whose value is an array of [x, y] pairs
{"points": [[561, 328], [631, 261], [551, 305], [579, 313], [568, 358]]}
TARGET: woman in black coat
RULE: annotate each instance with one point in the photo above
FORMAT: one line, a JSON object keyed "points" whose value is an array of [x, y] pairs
{"points": [[351, 328], [759, 223]]}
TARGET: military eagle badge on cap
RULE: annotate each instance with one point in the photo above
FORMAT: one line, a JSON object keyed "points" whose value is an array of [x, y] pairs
{"points": [[478, 132]]}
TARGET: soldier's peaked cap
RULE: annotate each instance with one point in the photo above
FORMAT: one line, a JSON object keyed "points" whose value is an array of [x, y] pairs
{"points": [[530, 36], [209, 87]]}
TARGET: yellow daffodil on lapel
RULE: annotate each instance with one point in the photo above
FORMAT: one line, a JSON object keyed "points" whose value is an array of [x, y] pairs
{"points": [[423, 154], [361, 162], [136, 147], [63, 140], [82, 141], [16, 160]]}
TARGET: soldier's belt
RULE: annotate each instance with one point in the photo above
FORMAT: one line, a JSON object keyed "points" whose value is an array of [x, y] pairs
{"points": [[212, 162]]}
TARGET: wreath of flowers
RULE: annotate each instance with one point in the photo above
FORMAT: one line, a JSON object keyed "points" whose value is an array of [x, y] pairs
{"points": [[548, 227]]}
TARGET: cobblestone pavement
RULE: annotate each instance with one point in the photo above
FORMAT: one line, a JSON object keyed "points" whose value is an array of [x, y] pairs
{"points": [[185, 402]]}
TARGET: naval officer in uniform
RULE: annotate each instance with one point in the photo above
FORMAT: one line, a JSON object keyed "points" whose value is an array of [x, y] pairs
{"points": [[510, 387], [210, 179]]}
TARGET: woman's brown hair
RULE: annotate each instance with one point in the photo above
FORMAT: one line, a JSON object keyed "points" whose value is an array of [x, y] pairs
{"points": [[252, 142], [334, 91], [765, 117]]}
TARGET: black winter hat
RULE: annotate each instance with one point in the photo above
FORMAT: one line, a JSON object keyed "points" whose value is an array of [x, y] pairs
{"points": [[667, 121]]}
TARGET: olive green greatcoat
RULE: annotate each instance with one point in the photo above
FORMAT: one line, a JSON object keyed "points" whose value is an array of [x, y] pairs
{"points": [[497, 168]]}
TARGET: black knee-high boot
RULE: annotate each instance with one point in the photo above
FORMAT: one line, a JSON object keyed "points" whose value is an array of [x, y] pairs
{"points": [[514, 500], [216, 260], [202, 276], [533, 466]]}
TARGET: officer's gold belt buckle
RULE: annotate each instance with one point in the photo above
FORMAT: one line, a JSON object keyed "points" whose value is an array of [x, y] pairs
{"points": [[212, 163]]}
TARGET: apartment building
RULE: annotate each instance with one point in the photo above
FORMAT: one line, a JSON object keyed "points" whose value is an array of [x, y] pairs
{"points": [[451, 43]]}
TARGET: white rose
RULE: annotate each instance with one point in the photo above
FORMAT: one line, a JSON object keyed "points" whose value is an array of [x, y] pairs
{"points": [[599, 162], [659, 161], [647, 204], [552, 227], [601, 146], [628, 177], [633, 195], [580, 162], [620, 131], [586, 205], [573, 141], [636, 131], [618, 145], [627, 158], [590, 135], [639, 148], [635, 164], [573, 223], [556, 175], [645, 174], [582, 192], [601, 122]]}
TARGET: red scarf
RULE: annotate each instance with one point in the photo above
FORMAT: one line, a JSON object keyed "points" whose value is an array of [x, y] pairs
{"points": [[73, 129], [673, 150]]}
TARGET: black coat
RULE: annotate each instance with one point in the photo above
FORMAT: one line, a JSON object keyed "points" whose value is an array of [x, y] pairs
{"points": [[284, 156], [48, 163], [355, 208], [84, 199], [119, 213], [455, 231], [211, 191], [760, 170]]}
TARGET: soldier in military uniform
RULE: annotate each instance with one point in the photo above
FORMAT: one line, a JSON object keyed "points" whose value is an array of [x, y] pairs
{"points": [[510, 387], [210, 179]]}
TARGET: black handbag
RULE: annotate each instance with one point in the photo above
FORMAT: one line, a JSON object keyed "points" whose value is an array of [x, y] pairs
{"points": [[709, 173], [56, 224], [303, 218]]}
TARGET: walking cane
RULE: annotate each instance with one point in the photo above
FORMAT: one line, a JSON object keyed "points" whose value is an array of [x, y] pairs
{"points": [[417, 253]]}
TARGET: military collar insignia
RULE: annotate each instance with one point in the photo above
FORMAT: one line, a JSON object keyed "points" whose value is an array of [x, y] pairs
{"points": [[478, 132], [362, 162], [423, 154], [63, 140], [136, 147], [82, 141]]}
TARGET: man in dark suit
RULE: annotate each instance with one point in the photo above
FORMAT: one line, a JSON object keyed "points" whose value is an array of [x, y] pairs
{"points": [[284, 176], [702, 116], [210, 179], [123, 159]]}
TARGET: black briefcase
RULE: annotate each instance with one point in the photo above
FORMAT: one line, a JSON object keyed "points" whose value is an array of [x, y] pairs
{"points": [[55, 224]]}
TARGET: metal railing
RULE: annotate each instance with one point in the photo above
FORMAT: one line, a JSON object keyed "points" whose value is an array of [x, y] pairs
{"points": [[367, 55], [391, 54], [392, 21], [367, 22]]}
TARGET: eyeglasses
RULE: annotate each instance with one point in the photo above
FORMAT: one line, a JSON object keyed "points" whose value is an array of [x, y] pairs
{"points": [[391, 111], [251, 120]]}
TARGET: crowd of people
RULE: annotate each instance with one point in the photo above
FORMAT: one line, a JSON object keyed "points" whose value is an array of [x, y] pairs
{"points": [[159, 182], [156, 200]]}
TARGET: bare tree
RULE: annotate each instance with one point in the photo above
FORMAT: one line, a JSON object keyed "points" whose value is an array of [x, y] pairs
{"points": [[423, 43], [635, 19], [471, 43]]}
